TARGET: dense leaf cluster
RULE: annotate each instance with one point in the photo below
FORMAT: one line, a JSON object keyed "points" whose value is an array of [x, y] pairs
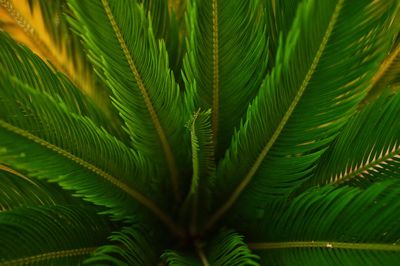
{"points": [[241, 132]]}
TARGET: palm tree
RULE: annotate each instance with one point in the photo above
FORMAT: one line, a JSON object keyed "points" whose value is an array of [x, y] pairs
{"points": [[200, 132]]}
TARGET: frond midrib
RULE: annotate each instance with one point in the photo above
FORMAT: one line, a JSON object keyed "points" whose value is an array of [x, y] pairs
{"points": [[94, 169], [171, 162], [49, 256], [368, 166], [324, 244], [215, 79], [202, 255], [255, 166]]}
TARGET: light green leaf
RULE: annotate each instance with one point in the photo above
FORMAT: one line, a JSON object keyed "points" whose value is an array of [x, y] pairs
{"points": [[198, 201], [133, 245]]}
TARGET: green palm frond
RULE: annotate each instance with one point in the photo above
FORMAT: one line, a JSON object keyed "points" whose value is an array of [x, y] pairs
{"points": [[133, 246], [277, 119], [18, 190], [136, 69], [227, 58], [280, 15], [331, 226], [174, 258], [197, 202], [226, 248], [166, 26], [20, 62], [77, 67], [368, 148], [29, 118], [202, 149], [37, 210], [160, 17], [387, 78], [43, 27], [304, 101], [55, 235]]}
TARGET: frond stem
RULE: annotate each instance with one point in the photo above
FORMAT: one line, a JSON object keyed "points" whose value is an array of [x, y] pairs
{"points": [[48, 256], [215, 82], [324, 244], [201, 254]]}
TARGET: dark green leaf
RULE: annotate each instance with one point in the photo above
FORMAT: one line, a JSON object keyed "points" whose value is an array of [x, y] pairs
{"points": [[17, 190], [368, 148], [54, 235], [335, 226], [227, 59], [226, 248]]}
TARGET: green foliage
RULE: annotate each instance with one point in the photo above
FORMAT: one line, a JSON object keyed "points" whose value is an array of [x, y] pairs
{"points": [[322, 87], [368, 143], [19, 62], [259, 133], [17, 190], [38, 131], [135, 66], [331, 226], [226, 248], [227, 56], [131, 246], [61, 235]]}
